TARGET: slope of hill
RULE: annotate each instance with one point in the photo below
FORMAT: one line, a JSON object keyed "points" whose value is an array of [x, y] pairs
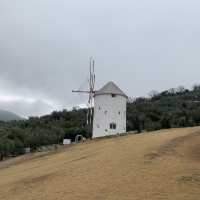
{"points": [[168, 109], [152, 166], [8, 116]]}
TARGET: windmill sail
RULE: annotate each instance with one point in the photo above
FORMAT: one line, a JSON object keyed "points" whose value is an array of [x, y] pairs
{"points": [[90, 91]]}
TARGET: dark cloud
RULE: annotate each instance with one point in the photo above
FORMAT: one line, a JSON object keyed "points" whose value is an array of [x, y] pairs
{"points": [[141, 45]]}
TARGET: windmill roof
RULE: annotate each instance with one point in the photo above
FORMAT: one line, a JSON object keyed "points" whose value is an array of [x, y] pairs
{"points": [[110, 88]]}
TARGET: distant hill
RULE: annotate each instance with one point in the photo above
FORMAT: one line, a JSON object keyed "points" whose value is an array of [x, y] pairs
{"points": [[8, 116]]}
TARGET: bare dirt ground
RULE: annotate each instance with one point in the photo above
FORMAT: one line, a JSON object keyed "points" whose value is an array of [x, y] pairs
{"points": [[151, 166]]}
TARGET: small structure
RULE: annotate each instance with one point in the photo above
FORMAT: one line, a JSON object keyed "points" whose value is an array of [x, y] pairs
{"points": [[67, 141], [79, 138], [27, 150], [109, 111]]}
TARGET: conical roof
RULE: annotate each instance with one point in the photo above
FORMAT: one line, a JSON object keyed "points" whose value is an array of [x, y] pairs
{"points": [[110, 88]]}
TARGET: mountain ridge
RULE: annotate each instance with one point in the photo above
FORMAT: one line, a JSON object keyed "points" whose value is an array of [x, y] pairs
{"points": [[6, 115]]}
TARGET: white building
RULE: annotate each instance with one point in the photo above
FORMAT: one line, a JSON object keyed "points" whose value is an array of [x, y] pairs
{"points": [[66, 141], [109, 111]]}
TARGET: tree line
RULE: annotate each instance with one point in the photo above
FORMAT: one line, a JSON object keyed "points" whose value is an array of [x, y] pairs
{"points": [[177, 107], [16, 136]]}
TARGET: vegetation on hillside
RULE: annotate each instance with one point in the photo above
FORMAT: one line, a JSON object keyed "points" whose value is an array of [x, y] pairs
{"points": [[15, 136], [172, 108], [169, 109]]}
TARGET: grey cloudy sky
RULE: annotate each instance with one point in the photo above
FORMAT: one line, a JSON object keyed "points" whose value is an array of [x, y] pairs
{"points": [[142, 45]]}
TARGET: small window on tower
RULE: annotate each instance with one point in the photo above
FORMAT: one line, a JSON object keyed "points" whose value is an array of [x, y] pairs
{"points": [[113, 126], [113, 95], [99, 108], [106, 112], [119, 112]]}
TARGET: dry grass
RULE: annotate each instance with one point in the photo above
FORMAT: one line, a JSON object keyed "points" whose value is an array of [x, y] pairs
{"points": [[160, 165]]}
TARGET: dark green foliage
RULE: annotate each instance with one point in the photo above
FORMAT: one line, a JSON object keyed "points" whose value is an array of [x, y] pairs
{"points": [[172, 108], [71, 133], [15, 136]]}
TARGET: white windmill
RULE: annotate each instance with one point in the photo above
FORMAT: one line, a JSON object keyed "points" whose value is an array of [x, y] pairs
{"points": [[106, 107]]}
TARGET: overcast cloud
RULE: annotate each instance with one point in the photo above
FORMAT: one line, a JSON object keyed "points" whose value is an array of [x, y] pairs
{"points": [[45, 47]]}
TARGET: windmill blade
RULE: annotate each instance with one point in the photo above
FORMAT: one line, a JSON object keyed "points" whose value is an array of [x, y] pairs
{"points": [[90, 91], [94, 81], [88, 116], [90, 98], [93, 76], [90, 82], [91, 115]]}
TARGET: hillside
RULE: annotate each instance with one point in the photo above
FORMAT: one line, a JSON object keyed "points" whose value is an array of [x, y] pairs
{"points": [[176, 107], [173, 108], [153, 166], [8, 116]]}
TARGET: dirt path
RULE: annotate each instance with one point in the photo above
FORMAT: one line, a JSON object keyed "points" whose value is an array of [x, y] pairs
{"points": [[160, 165]]}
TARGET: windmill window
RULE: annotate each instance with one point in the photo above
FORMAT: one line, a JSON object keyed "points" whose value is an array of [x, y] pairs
{"points": [[113, 95], [113, 126]]}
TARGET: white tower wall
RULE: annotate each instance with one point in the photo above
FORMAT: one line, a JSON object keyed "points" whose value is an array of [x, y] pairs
{"points": [[109, 109]]}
